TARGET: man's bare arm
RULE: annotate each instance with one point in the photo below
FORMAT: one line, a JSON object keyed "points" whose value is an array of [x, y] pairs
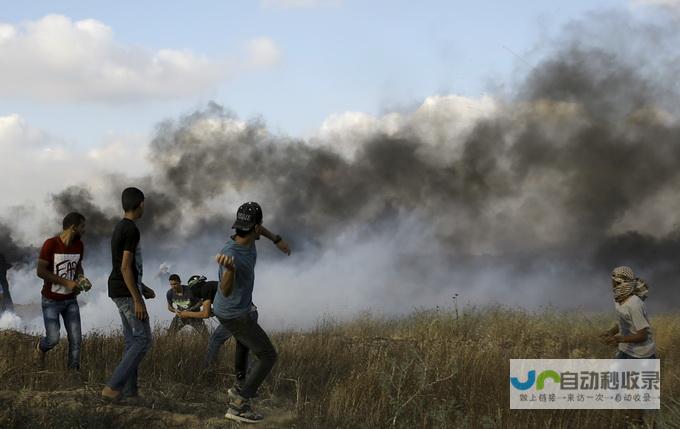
{"points": [[611, 332], [637, 337], [275, 238], [147, 292], [203, 314], [227, 282], [129, 275], [131, 284]]}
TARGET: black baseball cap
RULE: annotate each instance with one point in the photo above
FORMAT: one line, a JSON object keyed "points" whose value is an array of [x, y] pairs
{"points": [[247, 216]]}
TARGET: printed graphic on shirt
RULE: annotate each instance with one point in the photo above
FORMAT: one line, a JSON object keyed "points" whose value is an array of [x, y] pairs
{"points": [[181, 304], [65, 265]]}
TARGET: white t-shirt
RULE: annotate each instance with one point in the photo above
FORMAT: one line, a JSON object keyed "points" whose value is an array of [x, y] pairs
{"points": [[633, 318]]}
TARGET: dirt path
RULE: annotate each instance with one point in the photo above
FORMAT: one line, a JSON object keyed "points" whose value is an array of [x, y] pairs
{"points": [[82, 407]]}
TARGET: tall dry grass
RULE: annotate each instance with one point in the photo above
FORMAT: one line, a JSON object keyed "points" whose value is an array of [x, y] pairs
{"points": [[430, 369]]}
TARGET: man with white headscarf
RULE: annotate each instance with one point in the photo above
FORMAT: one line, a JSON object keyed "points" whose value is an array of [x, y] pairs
{"points": [[633, 333]]}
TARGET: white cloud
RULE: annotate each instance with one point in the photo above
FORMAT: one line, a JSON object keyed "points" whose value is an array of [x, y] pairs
{"points": [[672, 5], [297, 4], [55, 58], [263, 52], [440, 120], [39, 163]]}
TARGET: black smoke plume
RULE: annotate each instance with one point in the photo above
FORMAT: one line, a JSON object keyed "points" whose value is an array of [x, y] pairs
{"points": [[549, 192], [13, 252]]}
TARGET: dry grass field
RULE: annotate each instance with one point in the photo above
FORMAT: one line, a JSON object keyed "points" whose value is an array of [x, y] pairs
{"points": [[430, 369]]}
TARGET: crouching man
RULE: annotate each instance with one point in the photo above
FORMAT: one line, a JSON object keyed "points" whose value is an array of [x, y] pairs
{"points": [[180, 298]]}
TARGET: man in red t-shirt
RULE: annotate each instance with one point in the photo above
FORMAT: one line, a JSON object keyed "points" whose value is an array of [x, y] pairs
{"points": [[60, 265]]}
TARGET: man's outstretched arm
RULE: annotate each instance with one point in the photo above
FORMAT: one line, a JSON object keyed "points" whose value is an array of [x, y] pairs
{"points": [[275, 238]]}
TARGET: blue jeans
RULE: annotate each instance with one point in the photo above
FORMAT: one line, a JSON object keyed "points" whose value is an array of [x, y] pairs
{"points": [[69, 311], [137, 334], [217, 339]]}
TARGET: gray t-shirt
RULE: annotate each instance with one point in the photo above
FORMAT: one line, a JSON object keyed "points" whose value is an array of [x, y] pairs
{"points": [[181, 302], [240, 301], [633, 318]]}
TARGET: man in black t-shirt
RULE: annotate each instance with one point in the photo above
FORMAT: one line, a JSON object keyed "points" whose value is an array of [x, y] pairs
{"points": [[181, 299], [128, 293]]}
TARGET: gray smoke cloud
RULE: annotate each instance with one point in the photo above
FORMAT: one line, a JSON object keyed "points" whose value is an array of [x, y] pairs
{"points": [[572, 173], [12, 251]]}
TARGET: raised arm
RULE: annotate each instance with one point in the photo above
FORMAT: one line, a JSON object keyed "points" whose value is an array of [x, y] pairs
{"points": [[275, 238]]}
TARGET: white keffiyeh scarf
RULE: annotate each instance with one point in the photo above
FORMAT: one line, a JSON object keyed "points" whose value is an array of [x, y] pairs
{"points": [[626, 284]]}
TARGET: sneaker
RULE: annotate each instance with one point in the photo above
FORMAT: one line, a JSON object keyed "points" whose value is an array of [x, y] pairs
{"points": [[109, 395], [243, 414]]}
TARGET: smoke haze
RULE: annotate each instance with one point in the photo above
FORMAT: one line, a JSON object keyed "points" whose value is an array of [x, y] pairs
{"points": [[525, 198]]}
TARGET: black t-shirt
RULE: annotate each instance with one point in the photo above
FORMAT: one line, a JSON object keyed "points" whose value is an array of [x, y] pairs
{"points": [[205, 291], [125, 237]]}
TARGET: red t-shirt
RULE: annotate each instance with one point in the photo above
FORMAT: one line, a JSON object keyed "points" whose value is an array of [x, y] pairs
{"points": [[63, 261]]}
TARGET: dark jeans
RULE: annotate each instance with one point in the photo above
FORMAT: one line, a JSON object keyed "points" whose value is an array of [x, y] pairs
{"points": [[6, 303], [69, 311], [178, 323], [137, 334], [251, 337], [623, 355], [217, 339]]}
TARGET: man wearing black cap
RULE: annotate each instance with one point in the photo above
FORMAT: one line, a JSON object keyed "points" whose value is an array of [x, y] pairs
{"points": [[233, 304]]}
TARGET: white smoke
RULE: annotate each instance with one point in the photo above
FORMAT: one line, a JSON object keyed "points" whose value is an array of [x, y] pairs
{"points": [[9, 320]]}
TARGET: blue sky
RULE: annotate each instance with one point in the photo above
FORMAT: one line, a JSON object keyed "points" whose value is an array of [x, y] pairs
{"points": [[365, 56]]}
